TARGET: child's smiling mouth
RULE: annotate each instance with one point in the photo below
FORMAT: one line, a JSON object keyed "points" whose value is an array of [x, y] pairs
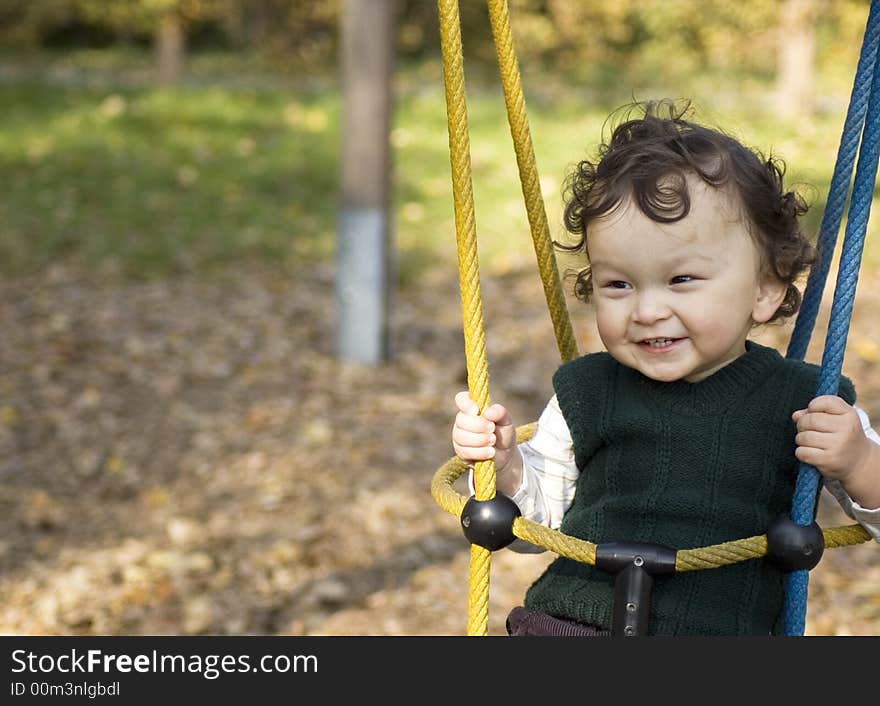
{"points": [[658, 345]]}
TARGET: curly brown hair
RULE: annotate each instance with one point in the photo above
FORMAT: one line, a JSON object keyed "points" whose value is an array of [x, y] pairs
{"points": [[648, 158]]}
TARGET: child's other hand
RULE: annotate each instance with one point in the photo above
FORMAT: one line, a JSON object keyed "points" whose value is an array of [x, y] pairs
{"points": [[830, 437], [478, 437]]}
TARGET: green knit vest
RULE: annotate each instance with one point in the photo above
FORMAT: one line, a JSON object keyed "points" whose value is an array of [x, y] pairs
{"points": [[684, 465]]}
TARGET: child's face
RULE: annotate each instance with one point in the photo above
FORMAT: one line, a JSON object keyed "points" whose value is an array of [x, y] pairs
{"points": [[676, 301]]}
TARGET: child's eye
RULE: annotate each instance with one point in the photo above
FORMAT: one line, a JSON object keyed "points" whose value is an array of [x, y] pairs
{"points": [[682, 279], [616, 284]]}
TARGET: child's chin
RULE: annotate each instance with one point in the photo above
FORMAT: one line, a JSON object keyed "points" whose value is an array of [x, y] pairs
{"points": [[666, 378], [662, 375]]}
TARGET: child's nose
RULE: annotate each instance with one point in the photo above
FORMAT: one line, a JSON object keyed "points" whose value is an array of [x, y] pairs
{"points": [[650, 307]]}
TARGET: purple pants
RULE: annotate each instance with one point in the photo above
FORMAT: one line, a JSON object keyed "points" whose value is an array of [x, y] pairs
{"points": [[522, 622]]}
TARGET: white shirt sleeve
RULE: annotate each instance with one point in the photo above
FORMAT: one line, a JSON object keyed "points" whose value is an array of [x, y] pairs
{"points": [[550, 477], [549, 471]]}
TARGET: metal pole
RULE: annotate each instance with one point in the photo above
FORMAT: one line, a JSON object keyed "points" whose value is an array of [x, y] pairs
{"points": [[364, 227]]}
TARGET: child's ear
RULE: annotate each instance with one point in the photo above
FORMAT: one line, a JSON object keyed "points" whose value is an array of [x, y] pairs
{"points": [[768, 298]]}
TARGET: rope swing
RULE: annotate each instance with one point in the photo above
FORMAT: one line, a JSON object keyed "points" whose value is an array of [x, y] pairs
{"points": [[492, 521]]}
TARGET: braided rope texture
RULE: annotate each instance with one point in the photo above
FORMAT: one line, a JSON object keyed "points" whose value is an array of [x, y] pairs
{"points": [[528, 176], [807, 485], [584, 551], [466, 238], [469, 278]]}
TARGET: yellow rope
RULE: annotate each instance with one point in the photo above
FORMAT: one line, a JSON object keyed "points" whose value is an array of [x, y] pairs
{"points": [[711, 557], [466, 238], [528, 176], [469, 279]]}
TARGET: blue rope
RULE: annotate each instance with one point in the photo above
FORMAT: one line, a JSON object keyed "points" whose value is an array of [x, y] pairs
{"points": [[807, 486]]}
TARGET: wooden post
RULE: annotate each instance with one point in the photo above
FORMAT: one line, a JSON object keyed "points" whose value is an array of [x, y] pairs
{"points": [[796, 71], [364, 227], [170, 47]]}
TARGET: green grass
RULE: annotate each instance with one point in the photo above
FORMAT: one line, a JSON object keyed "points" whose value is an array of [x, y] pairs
{"points": [[154, 180], [159, 180]]}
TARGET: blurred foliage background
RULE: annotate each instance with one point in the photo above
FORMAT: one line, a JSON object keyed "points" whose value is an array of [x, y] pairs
{"points": [[153, 136], [169, 198]]}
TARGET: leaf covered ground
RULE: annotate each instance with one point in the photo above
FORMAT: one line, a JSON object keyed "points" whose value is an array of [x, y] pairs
{"points": [[187, 456]]}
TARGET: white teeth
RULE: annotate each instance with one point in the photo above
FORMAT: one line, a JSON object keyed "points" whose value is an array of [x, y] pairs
{"points": [[658, 342]]}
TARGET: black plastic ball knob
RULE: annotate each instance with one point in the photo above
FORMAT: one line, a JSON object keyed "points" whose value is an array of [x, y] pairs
{"points": [[489, 523], [791, 546]]}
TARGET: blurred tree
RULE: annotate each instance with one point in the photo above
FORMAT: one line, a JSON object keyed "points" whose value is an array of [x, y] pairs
{"points": [[634, 41], [28, 22], [169, 45], [291, 33], [795, 75], [25, 23], [166, 20]]}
